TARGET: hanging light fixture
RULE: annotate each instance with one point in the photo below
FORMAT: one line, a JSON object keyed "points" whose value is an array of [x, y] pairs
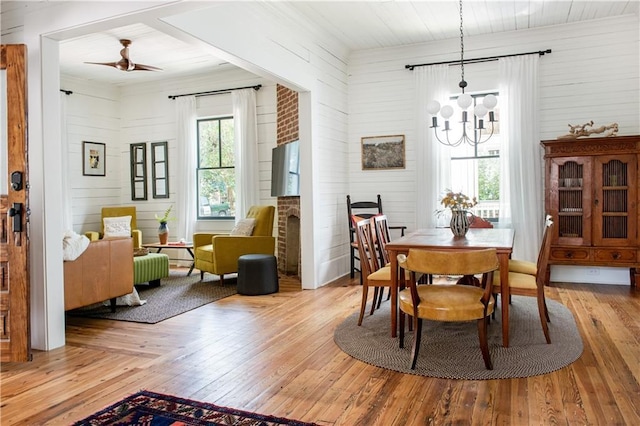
{"points": [[464, 102]]}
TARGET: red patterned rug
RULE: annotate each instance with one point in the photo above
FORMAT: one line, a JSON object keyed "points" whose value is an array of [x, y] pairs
{"points": [[155, 409]]}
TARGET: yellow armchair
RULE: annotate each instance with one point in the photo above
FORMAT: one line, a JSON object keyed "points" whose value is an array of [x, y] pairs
{"points": [[218, 253], [118, 212]]}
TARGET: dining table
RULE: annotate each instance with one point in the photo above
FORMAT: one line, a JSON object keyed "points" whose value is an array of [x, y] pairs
{"points": [[443, 239]]}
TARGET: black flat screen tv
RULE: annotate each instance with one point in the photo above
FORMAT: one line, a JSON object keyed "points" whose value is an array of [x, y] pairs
{"points": [[285, 170]]}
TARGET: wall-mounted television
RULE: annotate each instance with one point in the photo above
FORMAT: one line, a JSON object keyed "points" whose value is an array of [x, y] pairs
{"points": [[285, 170]]}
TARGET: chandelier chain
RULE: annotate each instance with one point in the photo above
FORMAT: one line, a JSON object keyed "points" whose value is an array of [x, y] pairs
{"points": [[461, 45]]}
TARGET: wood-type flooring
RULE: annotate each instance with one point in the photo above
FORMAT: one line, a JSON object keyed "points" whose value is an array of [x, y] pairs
{"points": [[275, 354]]}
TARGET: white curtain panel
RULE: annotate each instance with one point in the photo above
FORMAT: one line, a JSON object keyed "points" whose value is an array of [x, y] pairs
{"points": [[433, 165], [67, 215], [186, 181], [521, 193], [246, 150]]}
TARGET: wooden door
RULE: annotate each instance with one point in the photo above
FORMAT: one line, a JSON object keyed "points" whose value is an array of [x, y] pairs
{"points": [[615, 210], [15, 344], [570, 201]]}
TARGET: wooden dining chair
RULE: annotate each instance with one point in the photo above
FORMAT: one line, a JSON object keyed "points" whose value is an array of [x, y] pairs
{"points": [[357, 210], [382, 238], [448, 302], [525, 284], [373, 273]]}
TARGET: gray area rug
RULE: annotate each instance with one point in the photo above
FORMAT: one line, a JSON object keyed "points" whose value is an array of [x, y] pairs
{"points": [[176, 294], [452, 351]]}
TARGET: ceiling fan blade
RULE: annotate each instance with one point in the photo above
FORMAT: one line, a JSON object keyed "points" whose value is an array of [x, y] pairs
{"points": [[125, 64], [141, 67], [109, 64]]}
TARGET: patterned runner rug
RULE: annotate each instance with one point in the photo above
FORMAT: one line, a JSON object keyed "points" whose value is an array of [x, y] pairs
{"points": [[176, 294], [452, 350], [155, 409]]}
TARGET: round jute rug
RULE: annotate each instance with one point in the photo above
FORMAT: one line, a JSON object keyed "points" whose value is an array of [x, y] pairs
{"points": [[452, 351]]}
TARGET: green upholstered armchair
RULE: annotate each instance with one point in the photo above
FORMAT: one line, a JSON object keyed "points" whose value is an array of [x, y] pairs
{"points": [[119, 212], [218, 253]]}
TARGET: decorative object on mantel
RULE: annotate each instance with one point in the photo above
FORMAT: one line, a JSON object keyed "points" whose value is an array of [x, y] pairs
{"points": [[587, 129], [163, 230], [459, 204]]}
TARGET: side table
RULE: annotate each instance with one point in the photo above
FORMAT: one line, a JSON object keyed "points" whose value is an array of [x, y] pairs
{"points": [[188, 246]]}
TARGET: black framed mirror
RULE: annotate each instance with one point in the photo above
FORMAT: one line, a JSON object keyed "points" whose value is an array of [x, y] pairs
{"points": [[160, 170], [138, 157]]}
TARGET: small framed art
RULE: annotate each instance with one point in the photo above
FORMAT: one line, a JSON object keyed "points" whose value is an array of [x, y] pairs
{"points": [[93, 159], [383, 152]]}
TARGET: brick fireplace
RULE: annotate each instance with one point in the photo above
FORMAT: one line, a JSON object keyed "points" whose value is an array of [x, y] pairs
{"points": [[288, 207]]}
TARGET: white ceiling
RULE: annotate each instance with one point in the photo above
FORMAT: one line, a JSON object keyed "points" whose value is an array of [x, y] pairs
{"points": [[357, 24]]}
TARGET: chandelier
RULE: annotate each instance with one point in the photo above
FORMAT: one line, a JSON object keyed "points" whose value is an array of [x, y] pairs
{"points": [[464, 101]]}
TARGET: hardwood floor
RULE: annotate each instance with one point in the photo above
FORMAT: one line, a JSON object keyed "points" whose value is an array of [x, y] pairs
{"points": [[275, 354]]}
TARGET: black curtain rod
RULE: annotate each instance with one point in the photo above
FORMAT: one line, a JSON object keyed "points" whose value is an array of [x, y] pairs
{"points": [[478, 60], [66, 92], [216, 92]]}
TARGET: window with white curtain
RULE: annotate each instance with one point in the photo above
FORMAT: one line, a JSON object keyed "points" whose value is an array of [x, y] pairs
{"points": [[216, 179], [475, 169]]}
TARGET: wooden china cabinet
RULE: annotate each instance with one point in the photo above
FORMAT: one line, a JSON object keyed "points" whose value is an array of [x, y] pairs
{"points": [[591, 190]]}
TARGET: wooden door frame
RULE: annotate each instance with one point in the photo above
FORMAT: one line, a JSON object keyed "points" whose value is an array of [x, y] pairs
{"points": [[15, 296]]}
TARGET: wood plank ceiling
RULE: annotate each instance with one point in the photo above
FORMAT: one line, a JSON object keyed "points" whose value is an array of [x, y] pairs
{"points": [[356, 24]]}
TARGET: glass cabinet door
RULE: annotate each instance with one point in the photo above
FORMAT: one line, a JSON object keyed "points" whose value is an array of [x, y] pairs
{"points": [[614, 203], [571, 202]]}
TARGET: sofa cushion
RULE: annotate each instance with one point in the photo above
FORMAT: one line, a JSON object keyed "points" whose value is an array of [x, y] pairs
{"points": [[117, 226]]}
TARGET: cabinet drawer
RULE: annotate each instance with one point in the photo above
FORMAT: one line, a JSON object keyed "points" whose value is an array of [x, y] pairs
{"points": [[615, 255], [567, 254]]}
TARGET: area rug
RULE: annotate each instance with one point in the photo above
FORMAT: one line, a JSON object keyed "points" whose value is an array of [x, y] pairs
{"points": [[155, 409], [176, 294], [452, 351]]}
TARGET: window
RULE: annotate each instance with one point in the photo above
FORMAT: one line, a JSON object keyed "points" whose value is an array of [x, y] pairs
{"points": [[216, 168], [475, 170]]}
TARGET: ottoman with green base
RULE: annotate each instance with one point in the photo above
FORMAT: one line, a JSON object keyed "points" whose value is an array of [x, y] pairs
{"points": [[150, 268]]}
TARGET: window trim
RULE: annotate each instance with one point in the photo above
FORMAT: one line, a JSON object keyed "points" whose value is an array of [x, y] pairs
{"points": [[218, 118]]}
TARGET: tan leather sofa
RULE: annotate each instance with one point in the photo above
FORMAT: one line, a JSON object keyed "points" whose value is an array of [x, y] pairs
{"points": [[103, 271]]}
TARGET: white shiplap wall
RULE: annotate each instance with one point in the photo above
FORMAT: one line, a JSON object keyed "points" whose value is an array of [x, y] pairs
{"points": [[292, 55], [593, 73], [120, 116]]}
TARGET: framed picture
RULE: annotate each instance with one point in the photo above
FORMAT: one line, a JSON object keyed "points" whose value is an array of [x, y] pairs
{"points": [[93, 159], [383, 152]]}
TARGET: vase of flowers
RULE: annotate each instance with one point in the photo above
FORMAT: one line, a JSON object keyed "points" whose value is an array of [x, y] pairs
{"points": [[163, 229], [458, 203]]}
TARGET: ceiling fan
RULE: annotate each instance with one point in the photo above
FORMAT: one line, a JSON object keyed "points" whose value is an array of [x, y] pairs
{"points": [[125, 64]]}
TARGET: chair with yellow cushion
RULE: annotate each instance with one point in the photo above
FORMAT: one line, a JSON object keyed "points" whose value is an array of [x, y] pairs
{"points": [[527, 284], [218, 253], [448, 303], [116, 220]]}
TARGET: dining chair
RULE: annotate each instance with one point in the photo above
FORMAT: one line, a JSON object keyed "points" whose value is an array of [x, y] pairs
{"points": [[525, 284], [382, 238], [362, 210], [373, 273], [525, 266], [448, 302], [480, 222]]}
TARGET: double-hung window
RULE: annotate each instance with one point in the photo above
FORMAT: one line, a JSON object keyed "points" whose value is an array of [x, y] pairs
{"points": [[475, 169], [216, 181]]}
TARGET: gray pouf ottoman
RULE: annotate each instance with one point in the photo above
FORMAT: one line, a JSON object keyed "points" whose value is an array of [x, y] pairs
{"points": [[257, 274]]}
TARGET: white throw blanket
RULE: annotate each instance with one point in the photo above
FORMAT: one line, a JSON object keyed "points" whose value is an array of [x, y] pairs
{"points": [[73, 245]]}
